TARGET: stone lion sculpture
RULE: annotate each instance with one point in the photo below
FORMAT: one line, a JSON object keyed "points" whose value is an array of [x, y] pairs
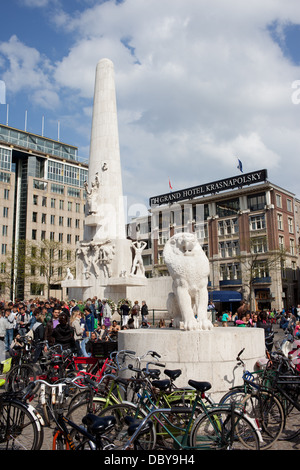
{"points": [[189, 268]]}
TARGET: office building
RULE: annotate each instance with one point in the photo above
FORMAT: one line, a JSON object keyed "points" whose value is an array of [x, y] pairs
{"points": [[41, 186]]}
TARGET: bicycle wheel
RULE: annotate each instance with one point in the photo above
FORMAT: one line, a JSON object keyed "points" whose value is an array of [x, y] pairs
{"points": [[19, 427], [223, 429], [119, 435], [264, 408], [84, 403], [176, 423], [19, 377]]}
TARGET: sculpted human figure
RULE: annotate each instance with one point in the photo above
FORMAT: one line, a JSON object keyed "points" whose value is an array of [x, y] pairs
{"points": [[189, 269], [138, 265], [106, 256], [92, 195]]}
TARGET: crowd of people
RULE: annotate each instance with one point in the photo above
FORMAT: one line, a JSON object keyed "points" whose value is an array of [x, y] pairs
{"points": [[78, 325], [263, 319], [73, 325]]}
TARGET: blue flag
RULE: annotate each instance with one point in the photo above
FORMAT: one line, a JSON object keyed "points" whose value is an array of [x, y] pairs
{"points": [[240, 165]]}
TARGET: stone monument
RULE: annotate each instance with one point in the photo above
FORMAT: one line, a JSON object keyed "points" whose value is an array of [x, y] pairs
{"points": [[110, 266], [104, 258]]}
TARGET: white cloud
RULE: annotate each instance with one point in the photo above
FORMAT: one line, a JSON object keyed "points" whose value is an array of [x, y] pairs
{"points": [[28, 71], [198, 83]]}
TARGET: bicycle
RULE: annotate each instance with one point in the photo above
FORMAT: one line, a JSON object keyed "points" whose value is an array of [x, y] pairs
{"points": [[260, 403], [173, 425], [217, 427], [21, 427], [68, 435]]}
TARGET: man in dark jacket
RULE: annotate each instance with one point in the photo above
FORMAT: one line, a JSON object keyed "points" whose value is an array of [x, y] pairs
{"points": [[64, 334]]}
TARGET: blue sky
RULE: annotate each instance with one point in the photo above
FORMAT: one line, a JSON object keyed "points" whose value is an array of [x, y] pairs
{"points": [[199, 83]]}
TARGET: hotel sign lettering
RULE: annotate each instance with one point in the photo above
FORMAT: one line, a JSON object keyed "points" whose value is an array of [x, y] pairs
{"points": [[210, 188]]}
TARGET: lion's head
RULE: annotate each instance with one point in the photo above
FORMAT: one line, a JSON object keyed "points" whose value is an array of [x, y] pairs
{"points": [[183, 244]]}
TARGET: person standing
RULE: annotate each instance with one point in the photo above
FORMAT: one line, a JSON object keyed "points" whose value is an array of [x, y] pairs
{"points": [[52, 324], [10, 317], [125, 310], [144, 311], [106, 312], [89, 327], [75, 322], [135, 313], [63, 334]]}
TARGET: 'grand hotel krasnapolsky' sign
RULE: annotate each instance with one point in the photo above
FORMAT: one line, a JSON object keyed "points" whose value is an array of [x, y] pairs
{"points": [[210, 188]]}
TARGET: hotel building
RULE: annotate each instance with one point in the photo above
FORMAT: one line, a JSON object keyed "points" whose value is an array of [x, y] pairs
{"points": [[249, 229]]}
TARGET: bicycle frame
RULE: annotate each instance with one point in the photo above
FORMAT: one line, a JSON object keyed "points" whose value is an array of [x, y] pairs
{"points": [[62, 422]]}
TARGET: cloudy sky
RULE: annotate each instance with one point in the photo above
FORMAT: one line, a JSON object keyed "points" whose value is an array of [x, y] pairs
{"points": [[199, 83]]}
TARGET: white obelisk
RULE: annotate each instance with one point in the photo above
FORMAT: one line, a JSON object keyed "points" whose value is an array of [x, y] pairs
{"points": [[108, 220]]}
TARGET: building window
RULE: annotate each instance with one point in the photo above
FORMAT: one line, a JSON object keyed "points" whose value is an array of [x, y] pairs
{"points": [[34, 217], [261, 269], [289, 205], [4, 230], [229, 249], [61, 204], [292, 246], [77, 223], [52, 235], [61, 221], [279, 222], [35, 199], [257, 222], [278, 200], [4, 249], [44, 218], [6, 193], [33, 234], [5, 212], [60, 237], [43, 235], [44, 201], [69, 205], [77, 207], [69, 222], [290, 225], [229, 272], [228, 208], [281, 242], [259, 245], [52, 219], [53, 203], [69, 238], [256, 202], [228, 226]]}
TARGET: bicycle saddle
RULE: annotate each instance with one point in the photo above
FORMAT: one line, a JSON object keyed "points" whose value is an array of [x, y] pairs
{"points": [[200, 386], [173, 374], [161, 384], [133, 424], [98, 425]]}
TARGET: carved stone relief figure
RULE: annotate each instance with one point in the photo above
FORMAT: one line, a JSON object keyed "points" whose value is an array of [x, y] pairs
{"points": [[92, 195], [138, 265]]}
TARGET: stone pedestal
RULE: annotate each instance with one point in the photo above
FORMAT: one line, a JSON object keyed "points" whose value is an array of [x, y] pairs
{"points": [[201, 355]]}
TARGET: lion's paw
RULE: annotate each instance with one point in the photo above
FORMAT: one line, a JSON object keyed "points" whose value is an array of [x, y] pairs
{"points": [[205, 324], [191, 324]]}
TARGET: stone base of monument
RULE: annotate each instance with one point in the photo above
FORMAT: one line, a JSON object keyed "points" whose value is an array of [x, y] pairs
{"points": [[201, 355]]}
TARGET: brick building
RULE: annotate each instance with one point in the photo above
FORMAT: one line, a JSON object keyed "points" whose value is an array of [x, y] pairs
{"points": [[249, 232]]}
